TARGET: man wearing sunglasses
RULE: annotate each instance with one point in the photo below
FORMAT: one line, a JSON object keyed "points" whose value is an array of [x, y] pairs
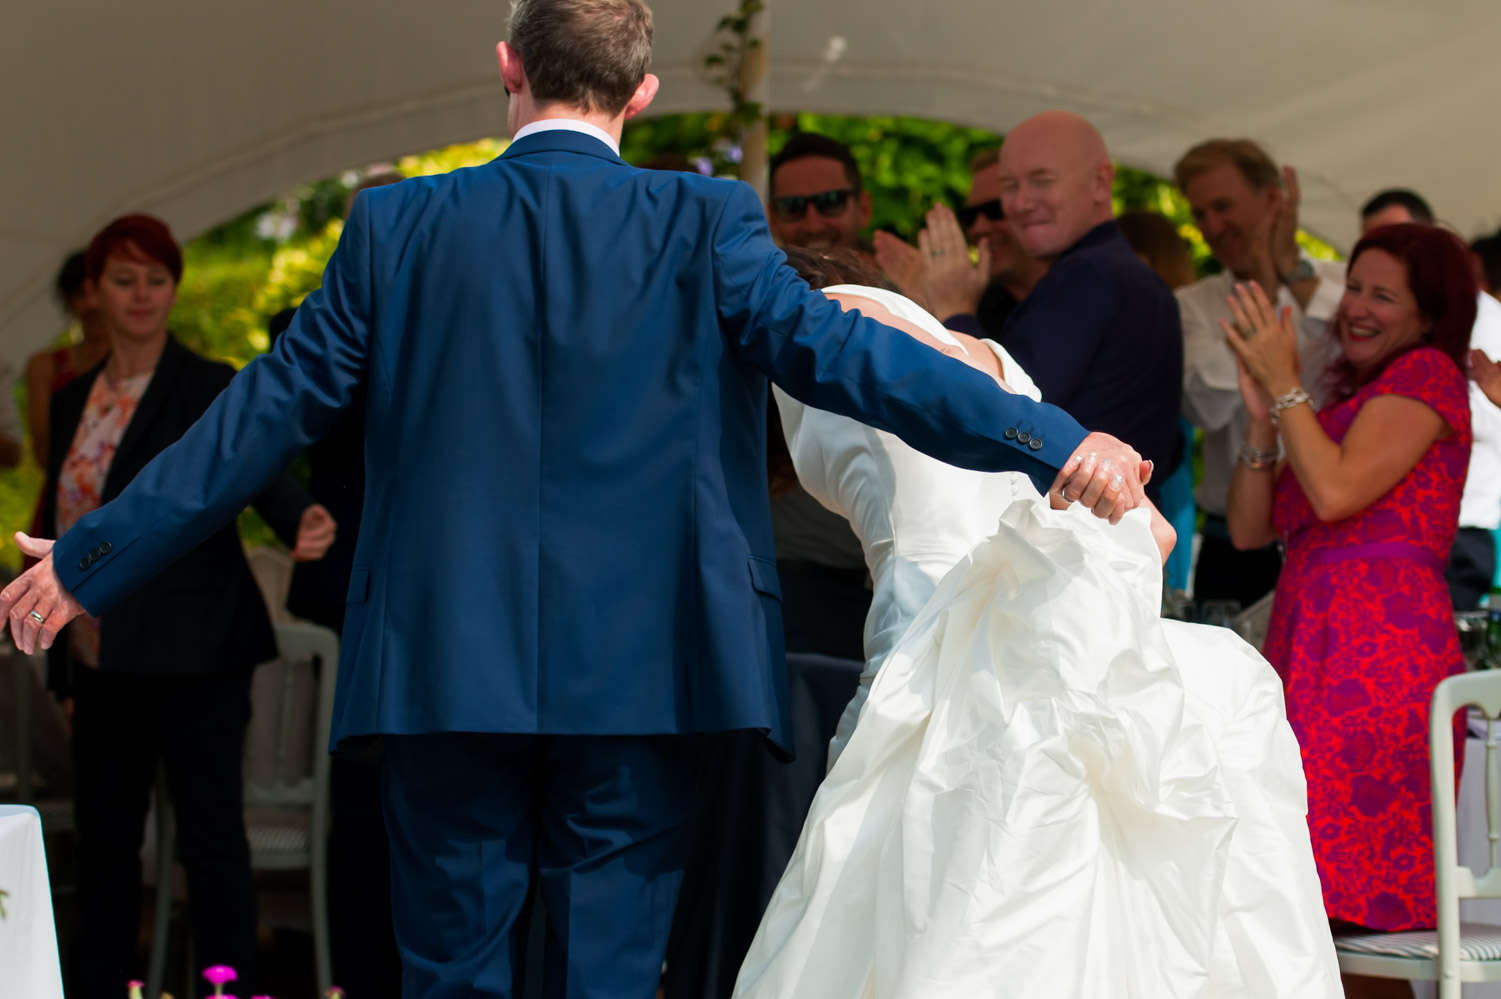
{"points": [[817, 202], [973, 298], [817, 199]]}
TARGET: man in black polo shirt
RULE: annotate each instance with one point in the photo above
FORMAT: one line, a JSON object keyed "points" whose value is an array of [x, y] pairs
{"points": [[1099, 334]]}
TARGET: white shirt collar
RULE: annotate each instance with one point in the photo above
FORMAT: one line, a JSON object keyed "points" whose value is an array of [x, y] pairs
{"points": [[568, 125]]}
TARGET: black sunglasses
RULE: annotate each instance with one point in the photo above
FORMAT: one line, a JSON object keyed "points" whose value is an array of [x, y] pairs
{"points": [[830, 204], [990, 209]]}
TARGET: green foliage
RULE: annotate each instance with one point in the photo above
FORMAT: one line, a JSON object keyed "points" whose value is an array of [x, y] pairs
{"points": [[240, 274]]}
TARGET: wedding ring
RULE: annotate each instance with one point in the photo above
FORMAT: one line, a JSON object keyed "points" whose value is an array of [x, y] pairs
{"points": [[936, 253], [38, 618], [1246, 334]]}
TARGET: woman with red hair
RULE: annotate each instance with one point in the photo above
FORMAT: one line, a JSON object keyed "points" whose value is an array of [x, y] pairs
{"points": [[1365, 496]]}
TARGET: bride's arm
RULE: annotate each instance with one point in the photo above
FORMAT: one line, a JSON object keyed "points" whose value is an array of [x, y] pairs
{"points": [[982, 358], [1162, 531]]}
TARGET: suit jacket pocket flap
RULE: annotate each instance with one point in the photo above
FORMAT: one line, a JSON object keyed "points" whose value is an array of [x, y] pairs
{"points": [[763, 573], [359, 585]]}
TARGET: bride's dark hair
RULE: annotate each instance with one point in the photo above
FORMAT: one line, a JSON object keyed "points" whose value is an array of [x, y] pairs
{"points": [[835, 265], [821, 269]]}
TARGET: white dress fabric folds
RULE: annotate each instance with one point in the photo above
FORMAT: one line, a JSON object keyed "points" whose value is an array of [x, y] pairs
{"points": [[1050, 792]]}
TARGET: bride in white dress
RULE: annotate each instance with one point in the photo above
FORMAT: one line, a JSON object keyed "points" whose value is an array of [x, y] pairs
{"points": [[1051, 792]]}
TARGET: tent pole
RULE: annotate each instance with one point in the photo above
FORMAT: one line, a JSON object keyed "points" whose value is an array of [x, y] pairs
{"points": [[755, 84]]}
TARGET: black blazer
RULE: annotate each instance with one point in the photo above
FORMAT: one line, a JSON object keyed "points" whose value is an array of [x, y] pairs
{"points": [[336, 467], [203, 613]]}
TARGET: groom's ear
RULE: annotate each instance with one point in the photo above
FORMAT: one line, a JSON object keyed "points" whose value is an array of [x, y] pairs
{"points": [[512, 73], [645, 91]]}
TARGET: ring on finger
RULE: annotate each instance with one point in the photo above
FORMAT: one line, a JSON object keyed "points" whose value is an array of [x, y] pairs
{"points": [[1246, 332], [39, 619]]}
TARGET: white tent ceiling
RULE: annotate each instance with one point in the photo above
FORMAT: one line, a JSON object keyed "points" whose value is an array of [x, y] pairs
{"points": [[197, 111]]}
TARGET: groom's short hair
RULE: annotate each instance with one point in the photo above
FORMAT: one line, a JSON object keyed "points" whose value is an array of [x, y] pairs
{"points": [[585, 54]]}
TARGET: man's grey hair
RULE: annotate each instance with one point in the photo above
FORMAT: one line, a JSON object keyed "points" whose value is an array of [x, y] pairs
{"points": [[590, 55]]}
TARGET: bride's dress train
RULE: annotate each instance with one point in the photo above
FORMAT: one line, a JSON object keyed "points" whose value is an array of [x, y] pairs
{"points": [[1053, 793], [1050, 792]]}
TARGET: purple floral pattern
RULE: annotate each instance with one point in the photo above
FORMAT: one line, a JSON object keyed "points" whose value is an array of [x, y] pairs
{"points": [[1360, 643]]}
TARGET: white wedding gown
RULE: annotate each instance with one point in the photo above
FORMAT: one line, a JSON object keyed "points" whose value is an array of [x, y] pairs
{"points": [[1051, 792]]}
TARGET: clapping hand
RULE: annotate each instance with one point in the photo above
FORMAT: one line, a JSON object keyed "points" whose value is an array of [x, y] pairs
{"points": [[315, 534], [953, 285], [1105, 475], [1284, 235], [903, 264], [1264, 343], [36, 602], [1487, 375]]}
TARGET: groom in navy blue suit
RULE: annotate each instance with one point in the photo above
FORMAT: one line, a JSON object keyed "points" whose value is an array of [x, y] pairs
{"points": [[564, 569]]}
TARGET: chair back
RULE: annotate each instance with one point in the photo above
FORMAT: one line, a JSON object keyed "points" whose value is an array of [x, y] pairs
{"points": [[1253, 623], [272, 570], [292, 699], [1479, 690]]}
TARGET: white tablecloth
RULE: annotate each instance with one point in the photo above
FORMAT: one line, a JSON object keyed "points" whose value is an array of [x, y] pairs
{"points": [[28, 939]]}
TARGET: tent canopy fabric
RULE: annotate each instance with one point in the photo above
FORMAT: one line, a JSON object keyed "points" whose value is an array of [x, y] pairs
{"points": [[197, 112]]}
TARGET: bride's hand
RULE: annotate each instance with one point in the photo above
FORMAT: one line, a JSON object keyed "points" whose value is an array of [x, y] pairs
{"points": [[1105, 475]]}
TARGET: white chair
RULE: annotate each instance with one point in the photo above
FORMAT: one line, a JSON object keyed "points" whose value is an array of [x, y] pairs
{"points": [[40, 740], [1456, 952], [286, 784]]}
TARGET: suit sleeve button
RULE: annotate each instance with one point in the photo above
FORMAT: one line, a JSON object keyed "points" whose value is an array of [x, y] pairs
{"points": [[1023, 437], [104, 548], [84, 562], [1011, 433], [1035, 444]]}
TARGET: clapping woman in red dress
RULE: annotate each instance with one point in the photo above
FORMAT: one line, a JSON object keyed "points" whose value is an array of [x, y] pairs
{"points": [[1365, 496]]}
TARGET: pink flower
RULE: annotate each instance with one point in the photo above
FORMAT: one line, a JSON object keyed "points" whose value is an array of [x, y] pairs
{"points": [[334, 992], [135, 988], [217, 975]]}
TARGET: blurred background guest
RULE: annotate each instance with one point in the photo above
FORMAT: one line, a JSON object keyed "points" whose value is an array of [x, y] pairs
{"points": [[1367, 503], [1395, 206], [1472, 560], [163, 676], [817, 201], [1485, 255], [1250, 221], [50, 370], [816, 196], [1161, 247], [1099, 334], [971, 298]]}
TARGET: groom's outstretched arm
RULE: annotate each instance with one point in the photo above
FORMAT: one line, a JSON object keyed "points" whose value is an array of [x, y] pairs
{"points": [[270, 411], [844, 363]]}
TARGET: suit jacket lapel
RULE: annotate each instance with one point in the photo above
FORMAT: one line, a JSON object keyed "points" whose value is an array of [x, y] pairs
{"points": [[150, 405]]}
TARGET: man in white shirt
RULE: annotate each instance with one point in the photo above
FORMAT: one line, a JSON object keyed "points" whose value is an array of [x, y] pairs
{"points": [[1248, 212], [1472, 561]]}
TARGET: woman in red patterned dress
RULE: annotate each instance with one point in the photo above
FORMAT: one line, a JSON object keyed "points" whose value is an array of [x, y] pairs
{"points": [[1366, 501]]}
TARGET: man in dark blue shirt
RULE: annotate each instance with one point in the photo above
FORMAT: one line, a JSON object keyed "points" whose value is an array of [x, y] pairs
{"points": [[1099, 334]]}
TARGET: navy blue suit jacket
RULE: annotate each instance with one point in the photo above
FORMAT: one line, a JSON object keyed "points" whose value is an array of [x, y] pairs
{"points": [[1100, 336], [566, 523]]}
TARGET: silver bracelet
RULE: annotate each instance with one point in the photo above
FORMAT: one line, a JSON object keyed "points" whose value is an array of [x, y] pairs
{"points": [[1286, 401], [1258, 459]]}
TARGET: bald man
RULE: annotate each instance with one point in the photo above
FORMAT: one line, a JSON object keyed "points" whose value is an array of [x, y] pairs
{"points": [[1099, 333]]}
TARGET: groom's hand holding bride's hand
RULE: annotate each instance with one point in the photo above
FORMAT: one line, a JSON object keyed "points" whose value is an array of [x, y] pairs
{"points": [[1106, 475], [35, 601]]}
